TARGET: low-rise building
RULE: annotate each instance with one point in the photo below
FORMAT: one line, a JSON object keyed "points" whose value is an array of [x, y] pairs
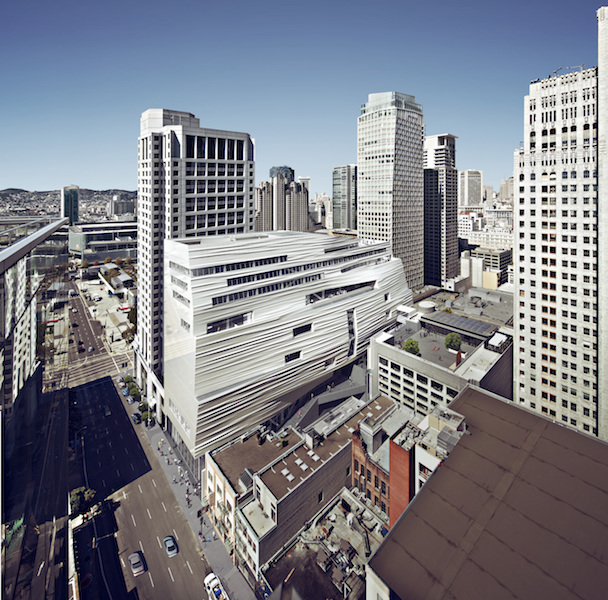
{"points": [[394, 455], [296, 485], [97, 241], [436, 375], [517, 510]]}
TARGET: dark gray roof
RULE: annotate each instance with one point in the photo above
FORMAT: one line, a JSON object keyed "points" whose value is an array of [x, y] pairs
{"points": [[519, 509], [463, 323]]}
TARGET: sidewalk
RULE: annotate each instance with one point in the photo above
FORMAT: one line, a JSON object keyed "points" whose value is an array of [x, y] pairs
{"points": [[213, 548]]}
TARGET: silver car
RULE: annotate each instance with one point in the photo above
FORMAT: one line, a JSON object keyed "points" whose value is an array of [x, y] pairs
{"points": [[136, 560]]}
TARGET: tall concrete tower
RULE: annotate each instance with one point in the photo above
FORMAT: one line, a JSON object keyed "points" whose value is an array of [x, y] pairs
{"points": [[560, 238], [390, 203], [441, 261], [191, 182]]}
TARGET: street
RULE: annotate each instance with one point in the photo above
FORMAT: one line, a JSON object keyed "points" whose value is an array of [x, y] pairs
{"points": [[119, 465]]}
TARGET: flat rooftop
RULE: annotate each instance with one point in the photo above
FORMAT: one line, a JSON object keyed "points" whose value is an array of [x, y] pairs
{"points": [[284, 475], [517, 510], [247, 453]]}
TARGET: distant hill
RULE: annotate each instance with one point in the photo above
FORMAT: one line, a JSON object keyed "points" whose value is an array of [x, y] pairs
{"points": [[83, 192]]}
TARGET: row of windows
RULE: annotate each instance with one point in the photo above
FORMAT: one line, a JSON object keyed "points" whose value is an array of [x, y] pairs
{"points": [[264, 289], [300, 268]]}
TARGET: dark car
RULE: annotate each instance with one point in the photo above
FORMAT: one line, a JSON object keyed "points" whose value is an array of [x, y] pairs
{"points": [[136, 418], [80, 349]]}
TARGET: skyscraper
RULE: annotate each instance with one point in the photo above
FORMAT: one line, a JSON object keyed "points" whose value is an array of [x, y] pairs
{"points": [[390, 197], [559, 354], [191, 182], [69, 203], [344, 195], [440, 210], [470, 189], [281, 203]]}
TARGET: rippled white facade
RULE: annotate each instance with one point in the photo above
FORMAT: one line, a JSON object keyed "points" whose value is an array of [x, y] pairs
{"points": [[253, 317]]}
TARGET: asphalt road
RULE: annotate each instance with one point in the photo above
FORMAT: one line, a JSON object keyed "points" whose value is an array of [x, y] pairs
{"points": [[120, 466]]}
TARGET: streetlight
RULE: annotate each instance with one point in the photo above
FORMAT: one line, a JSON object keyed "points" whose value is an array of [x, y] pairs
{"points": [[76, 434]]}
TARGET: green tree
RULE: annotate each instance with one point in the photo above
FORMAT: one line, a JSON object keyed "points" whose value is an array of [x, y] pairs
{"points": [[81, 499], [143, 406], [128, 379], [145, 416], [411, 346], [453, 341]]}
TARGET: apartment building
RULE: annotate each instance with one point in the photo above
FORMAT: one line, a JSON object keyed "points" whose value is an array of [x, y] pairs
{"points": [[557, 245], [192, 182]]}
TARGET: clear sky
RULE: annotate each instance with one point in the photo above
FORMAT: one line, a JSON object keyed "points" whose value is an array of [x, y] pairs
{"points": [[76, 76]]}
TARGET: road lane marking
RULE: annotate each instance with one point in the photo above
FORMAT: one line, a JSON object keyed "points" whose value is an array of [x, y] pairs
{"points": [[126, 451], [152, 582], [118, 472], [123, 562], [40, 568], [154, 482], [169, 569], [149, 515], [132, 467], [176, 536], [158, 540], [139, 486], [103, 481], [141, 546], [98, 464], [163, 505], [124, 494], [133, 519], [189, 567]]}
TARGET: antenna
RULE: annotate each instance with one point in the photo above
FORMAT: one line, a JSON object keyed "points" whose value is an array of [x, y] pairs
{"points": [[579, 67], [556, 71]]}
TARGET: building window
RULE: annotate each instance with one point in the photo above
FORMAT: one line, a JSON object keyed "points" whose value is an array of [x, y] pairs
{"points": [[292, 356]]}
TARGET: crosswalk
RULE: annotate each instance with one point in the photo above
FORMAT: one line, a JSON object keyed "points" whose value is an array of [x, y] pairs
{"points": [[95, 367]]}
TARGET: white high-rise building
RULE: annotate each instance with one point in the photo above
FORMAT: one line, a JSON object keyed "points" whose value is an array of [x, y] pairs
{"points": [[558, 321], [344, 194], [191, 182], [470, 189], [390, 194], [251, 320]]}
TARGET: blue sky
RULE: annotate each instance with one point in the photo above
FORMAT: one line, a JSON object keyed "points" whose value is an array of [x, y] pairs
{"points": [[76, 76]]}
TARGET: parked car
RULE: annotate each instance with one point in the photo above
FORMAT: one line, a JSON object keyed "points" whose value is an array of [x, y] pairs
{"points": [[136, 418], [125, 392], [80, 349], [214, 588], [170, 546], [138, 566], [91, 348], [130, 399], [106, 410]]}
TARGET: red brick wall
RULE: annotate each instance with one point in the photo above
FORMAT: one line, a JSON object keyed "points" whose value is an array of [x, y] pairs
{"points": [[399, 474], [361, 460]]}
